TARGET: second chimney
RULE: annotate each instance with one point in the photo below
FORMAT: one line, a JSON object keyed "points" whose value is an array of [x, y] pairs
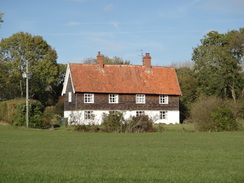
{"points": [[100, 61], [147, 62]]}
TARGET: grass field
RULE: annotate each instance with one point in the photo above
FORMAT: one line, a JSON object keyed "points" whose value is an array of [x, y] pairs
{"points": [[29, 155]]}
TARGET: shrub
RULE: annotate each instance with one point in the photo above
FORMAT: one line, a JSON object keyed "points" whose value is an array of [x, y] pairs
{"points": [[59, 107], [87, 128], [139, 124], [223, 120], [113, 122], [14, 112], [212, 114], [50, 118]]}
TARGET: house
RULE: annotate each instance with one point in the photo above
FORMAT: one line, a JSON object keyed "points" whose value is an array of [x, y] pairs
{"points": [[90, 90]]}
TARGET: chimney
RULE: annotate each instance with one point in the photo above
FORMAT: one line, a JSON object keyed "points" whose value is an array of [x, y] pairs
{"points": [[147, 62], [100, 60]]}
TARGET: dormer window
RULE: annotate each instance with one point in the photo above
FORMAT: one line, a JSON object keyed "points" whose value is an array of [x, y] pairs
{"points": [[140, 98], [163, 99]]}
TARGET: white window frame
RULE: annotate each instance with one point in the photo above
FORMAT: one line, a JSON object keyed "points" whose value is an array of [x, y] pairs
{"points": [[163, 99], [140, 98], [113, 98], [88, 115], [88, 98], [140, 113], [70, 97], [163, 115]]}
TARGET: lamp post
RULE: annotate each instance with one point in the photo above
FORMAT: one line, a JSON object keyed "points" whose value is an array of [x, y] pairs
{"points": [[26, 75]]}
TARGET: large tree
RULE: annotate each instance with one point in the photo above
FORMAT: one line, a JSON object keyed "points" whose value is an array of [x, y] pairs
{"points": [[218, 64], [15, 51]]}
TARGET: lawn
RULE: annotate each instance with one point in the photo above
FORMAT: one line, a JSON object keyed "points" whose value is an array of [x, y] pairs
{"points": [[62, 155]]}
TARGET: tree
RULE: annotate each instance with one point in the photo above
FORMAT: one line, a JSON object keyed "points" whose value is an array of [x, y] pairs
{"points": [[111, 61], [218, 64], [43, 68], [188, 86], [1, 15]]}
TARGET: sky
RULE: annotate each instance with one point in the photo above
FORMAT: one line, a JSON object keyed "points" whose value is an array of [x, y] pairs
{"points": [[78, 29]]}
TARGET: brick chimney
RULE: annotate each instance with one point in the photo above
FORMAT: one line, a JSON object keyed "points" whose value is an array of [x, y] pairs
{"points": [[147, 62], [100, 61]]}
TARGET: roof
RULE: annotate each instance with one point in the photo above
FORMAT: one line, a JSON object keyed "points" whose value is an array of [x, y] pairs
{"points": [[129, 79]]}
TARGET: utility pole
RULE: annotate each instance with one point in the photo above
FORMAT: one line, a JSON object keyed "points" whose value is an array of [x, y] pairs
{"points": [[26, 76], [27, 93]]}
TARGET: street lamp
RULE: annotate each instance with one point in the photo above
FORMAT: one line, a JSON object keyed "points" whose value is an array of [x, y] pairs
{"points": [[26, 75]]}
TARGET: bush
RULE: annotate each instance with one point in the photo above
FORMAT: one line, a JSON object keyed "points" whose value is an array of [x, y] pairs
{"points": [[50, 118], [14, 112], [113, 122], [139, 124], [212, 114], [224, 120], [87, 128]]}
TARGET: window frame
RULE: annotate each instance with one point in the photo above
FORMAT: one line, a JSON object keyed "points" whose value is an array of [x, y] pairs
{"points": [[163, 115], [88, 98], [113, 99], [69, 96], [163, 99], [88, 115], [140, 98], [140, 113]]}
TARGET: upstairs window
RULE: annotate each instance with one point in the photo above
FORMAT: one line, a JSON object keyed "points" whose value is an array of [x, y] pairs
{"points": [[113, 98], [163, 114], [88, 98], [163, 99], [140, 98], [89, 115], [140, 113], [70, 97]]}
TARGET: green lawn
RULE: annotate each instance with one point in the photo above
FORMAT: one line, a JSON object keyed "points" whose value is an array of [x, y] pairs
{"points": [[29, 155]]}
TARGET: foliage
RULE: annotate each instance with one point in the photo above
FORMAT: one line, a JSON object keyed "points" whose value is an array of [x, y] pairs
{"points": [[14, 112], [188, 84], [111, 61], [138, 124], [44, 71], [184, 111], [65, 156], [212, 114], [113, 122], [218, 64], [88, 128], [59, 107], [224, 120], [1, 15], [50, 118]]}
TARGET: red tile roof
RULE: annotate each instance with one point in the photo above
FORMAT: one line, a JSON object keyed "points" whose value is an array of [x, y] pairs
{"points": [[124, 79]]}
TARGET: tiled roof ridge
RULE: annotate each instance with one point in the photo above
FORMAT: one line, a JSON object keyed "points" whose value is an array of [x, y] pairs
{"points": [[121, 65]]}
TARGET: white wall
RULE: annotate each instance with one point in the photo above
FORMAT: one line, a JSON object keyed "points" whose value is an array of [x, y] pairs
{"points": [[78, 116]]}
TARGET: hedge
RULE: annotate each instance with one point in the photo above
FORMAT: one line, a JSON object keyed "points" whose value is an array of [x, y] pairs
{"points": [[14, 112]]}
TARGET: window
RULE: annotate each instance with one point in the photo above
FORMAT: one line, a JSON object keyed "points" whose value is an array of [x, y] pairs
{"points": [[89, 115], [163, 114], [140, 113], [70, 97], [113, 98], [163, 99], [140, 98], [88, 98]]}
